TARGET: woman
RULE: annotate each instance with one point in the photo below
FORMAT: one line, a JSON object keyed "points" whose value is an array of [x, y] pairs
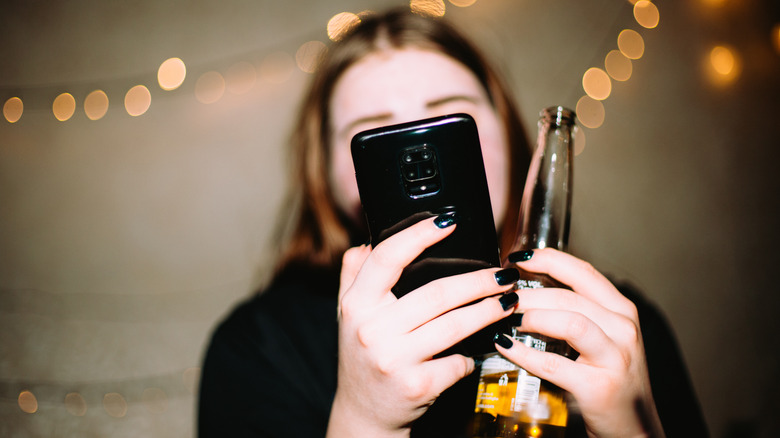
{"points": [[327, 349]]}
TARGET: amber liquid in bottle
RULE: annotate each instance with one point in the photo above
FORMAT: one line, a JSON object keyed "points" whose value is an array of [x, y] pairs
{"points": [[510, 401]]}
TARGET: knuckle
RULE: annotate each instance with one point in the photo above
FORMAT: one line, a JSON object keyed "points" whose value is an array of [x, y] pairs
{"points": [[366, 336], [568, 300], [578, 326], [551, 363], [415, 387]]}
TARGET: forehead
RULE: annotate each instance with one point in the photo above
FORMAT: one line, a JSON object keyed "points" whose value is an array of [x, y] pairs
{"points": [[387, 80]]}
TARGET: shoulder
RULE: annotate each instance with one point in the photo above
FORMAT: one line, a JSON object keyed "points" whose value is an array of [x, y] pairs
{"points": [[273, 360]]}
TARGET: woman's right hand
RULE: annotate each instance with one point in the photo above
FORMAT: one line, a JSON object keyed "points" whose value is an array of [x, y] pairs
{"points": [[387, 373]]}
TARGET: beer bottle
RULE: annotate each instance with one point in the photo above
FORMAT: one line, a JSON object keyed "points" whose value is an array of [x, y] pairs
{"points": [[510, 401]]}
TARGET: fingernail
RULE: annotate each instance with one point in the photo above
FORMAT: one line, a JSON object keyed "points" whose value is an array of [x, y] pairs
{"points": [[515, 320], [445, 220], [508, 300], [503, 341], [520, 256], [507, 276]]}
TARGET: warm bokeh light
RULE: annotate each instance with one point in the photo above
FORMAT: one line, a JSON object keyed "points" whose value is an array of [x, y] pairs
{"points": [[137, 100], [155, 400], [191, 378], [75, 404], [646, 14], [27, 402], [722, 60], [713, 3], [340, 24], [240, 77], [276, 67], [579, 140], [596, 83], [431, 8], [115, 405], [618, 66], [63, 107], [463, 3], [96, 105], [210, 87], [590, 112], [171, 74], [309, 55], [776, 37], [13, 109], [724, 65], [631, 44]]}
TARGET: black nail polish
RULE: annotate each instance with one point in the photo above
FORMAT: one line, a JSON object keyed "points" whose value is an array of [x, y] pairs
{"points": [[445, 220], [502, 340], [508, 300], [520, 256], [507, 276], [514, 320]]}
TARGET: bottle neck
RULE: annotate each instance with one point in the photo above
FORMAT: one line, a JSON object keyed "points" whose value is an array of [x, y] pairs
{"points": [[545, 212]]}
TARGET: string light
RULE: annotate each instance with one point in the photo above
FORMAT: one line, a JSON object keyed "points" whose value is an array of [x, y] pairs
{"points": [[13, 109], [210, 87], [431, 8], [309, 55], [64, 106], [115, 405], [171, 74], [28, 403], [96, 105], [340, 24], [618, 66], [646, 14], [463, 3], [137, 100], [75, 404], [631, 44]]}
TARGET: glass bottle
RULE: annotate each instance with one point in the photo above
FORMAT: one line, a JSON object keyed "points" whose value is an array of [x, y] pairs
{"points": [[510, 401]]}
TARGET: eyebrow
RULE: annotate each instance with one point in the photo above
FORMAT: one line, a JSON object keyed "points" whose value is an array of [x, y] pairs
{"points": [[374, 118]]}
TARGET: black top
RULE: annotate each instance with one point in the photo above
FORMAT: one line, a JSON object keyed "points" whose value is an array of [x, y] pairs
{"points": [[270, 370]]}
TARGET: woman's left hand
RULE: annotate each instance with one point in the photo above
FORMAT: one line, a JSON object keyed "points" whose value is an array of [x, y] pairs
{"points": [[609, 379]]}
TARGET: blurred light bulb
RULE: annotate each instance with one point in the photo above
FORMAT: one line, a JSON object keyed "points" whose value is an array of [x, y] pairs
{"points": [[596, 83], [64, 106], [171, 74], [137, 100], [340, 24], [96, 105], [13, 109]]}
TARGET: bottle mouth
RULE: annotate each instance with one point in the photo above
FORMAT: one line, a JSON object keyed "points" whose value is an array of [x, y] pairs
{"points": [[558, 115]]}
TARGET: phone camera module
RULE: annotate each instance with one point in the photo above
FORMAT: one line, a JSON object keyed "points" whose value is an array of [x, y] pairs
{"points": [[420, 171]]}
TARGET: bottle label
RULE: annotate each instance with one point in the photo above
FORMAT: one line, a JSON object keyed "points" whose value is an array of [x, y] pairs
{"points": [[529, 284], [527, 390]]}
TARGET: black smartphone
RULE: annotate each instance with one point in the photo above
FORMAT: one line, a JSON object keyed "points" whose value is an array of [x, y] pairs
{"points": [[411, 171]]}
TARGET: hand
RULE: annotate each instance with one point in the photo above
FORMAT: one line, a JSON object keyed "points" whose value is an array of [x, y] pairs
{"points": [[387, 373], [609, 379]]}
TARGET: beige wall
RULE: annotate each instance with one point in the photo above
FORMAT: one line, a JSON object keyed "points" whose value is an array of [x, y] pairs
{"points": [[124, 240]]}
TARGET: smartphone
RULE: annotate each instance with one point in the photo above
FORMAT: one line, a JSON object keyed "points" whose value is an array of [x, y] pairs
{"points": [[411, 171]]}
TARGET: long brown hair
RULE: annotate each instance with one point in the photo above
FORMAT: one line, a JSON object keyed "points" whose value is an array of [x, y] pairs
{"points": [[314, 231]]}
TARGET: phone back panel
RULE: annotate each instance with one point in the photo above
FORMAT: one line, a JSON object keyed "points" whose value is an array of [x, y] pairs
{"points": [[409, 172]]}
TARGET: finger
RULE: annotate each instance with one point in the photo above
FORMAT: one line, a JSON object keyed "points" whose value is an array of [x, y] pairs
{"points": [[610, 322], [352, 260], [442, 295], [577, 330], [384, 265], [581, 276], [445, 331], [446, 371], [552, 367]]}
